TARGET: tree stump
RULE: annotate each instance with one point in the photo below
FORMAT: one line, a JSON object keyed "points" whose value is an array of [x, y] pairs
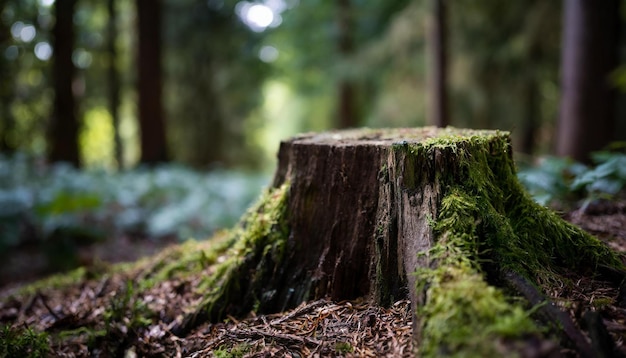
{"points": [[435, 215]]}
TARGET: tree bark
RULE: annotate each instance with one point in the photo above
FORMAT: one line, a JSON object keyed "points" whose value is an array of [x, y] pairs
{"points": [[151, 113], [436, 215], [437, 40], [63, 140], [7, 122], [114, 83], [347, 109], [589, 55]]}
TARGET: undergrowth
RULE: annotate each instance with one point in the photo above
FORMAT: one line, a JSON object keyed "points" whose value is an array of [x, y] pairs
{"points": [[38, 201], [564, 183], [23, 342]]}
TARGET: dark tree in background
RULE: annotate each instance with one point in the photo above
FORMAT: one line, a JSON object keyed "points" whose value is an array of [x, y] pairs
{"points": [[437, 38], [540, 57], [114, 82], [150, 85], [347, 112], [63, 140], [7, 122], [589, 55]]}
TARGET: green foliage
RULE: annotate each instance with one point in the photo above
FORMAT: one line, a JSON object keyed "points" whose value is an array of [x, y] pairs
{"points": [[127, 310], [550, 180], [258, 246], [344, 347], [22, 342], [607, 179], [82, 206], [561, 181], [237, 351]]}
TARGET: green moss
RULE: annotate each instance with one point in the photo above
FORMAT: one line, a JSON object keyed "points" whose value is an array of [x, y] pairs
{"points": [[186, 259], [127, 308], [463, 314], [602, 302], [92, 335], [343, 347], [486, 219], [237, 351], [56, 281], [22, 342], [260, 240]]}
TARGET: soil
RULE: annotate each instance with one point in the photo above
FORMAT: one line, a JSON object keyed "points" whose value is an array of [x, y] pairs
{"points": [[320, 328]]}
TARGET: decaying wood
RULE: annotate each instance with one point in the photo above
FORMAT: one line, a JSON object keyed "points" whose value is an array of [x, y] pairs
{"points": [[363, 218], [550, 313]]}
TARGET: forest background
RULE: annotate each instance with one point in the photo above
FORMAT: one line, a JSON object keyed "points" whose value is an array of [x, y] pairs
{"points": [[119, 88]]}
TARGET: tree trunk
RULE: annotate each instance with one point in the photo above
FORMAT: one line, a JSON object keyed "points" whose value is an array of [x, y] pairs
{"points": [[7, 122], [347, 111], [436, 215], [63, 139], [589, 55], [532, 111], [437, 40], [151, 114], [114, 83]]}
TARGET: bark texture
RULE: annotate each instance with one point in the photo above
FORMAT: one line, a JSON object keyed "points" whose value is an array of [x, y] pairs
{"points": [[64, 124], [437, 42], [432, 214], [150, 83]]}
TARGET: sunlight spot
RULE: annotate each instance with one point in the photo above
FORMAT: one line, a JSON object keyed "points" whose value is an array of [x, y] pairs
{"points": [[28, 33], [23, 32], [43, 51], [260, 15], [268, 54], [46, 3], [16, 29]]}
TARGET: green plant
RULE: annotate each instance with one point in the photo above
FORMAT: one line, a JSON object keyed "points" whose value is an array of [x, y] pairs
{"points": [[237, 351], [22, 342], [344, 347], [606, 180], [66, 208], [127, 309], [563, 181]]}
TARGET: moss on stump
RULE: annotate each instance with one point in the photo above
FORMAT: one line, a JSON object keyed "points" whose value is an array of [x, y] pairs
{"points": [[433, 214]]}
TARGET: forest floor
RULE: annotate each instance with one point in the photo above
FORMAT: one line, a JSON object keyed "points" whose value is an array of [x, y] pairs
{"points": [[319, 328]]}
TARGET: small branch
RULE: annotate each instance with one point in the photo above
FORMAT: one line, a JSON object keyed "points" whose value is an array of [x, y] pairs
{"points": [[550, 312], [286, 339], [42, 298], [99, 291], [601, 340], [299, 311]]}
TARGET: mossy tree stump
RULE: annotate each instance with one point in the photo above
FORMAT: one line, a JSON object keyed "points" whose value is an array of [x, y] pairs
{"points": [[435, 215]]}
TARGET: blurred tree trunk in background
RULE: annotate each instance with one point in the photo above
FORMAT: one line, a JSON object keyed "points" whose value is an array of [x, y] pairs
{"points": [[114, 82], [348, 117], [437, 43], [150, 85], [7, 124], [589, 55], [531, 124], [63, 140]]}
